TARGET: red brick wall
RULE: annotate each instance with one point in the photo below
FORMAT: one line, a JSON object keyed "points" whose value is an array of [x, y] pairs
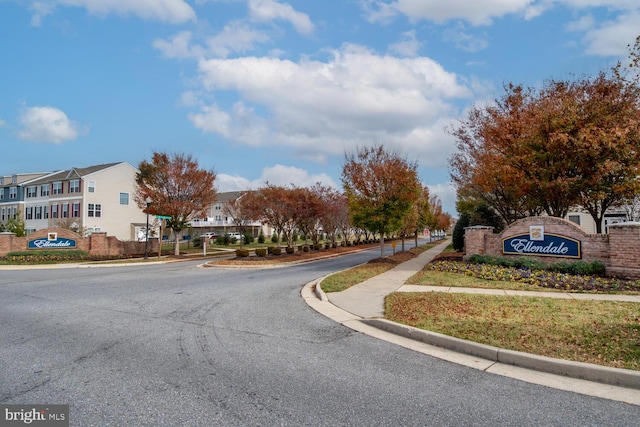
{"points": [[95, 244], [619, 250]]}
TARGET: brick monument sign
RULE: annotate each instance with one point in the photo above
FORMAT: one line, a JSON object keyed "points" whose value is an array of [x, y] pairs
{"points": [[551, 239]]}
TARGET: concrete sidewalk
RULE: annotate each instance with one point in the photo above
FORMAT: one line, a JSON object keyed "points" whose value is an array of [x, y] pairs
{"points": [[366, 299]]}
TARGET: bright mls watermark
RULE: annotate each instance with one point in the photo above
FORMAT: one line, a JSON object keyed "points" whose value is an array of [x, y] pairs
{"points": [[34, 415]]}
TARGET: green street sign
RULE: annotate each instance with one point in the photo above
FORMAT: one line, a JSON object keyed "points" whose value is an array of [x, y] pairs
{"points": [[162, 217]]}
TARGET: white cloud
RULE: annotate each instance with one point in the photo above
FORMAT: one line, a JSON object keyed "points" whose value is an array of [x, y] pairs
{"points": [[408, 46], [178, 46], [235, 37], [269, 10], [172, 11], [40, 10], [276, 175], [46, 124], [612, 38], [324, 108], [474, 12], [460, 37]]}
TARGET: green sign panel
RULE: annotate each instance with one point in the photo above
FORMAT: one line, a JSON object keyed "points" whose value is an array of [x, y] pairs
{"points": [[163, 217]]}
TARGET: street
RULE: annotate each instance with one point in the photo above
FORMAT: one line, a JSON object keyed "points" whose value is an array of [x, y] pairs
{"points": [[178, 345]]}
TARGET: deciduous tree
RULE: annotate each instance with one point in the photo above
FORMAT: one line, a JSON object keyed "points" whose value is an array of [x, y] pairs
{"points": [[381, 188], [568, 143], [177, 187]]}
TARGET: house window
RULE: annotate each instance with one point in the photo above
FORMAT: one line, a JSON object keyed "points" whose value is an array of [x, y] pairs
{"points": [[575, 219], [32, 191], [38, 214], [46, 212], [65, 210], [218, 206], [94, 210], [29, 212], [54, 211], [44, 190], [2, 214], [56, 187], [1, 193], [124, 198], [14, 212], [13, 193], [75, 212], [91, 186], [74, 186]]}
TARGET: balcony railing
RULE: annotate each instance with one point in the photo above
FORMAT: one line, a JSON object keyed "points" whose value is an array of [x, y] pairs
{"points": [[197, 223]]}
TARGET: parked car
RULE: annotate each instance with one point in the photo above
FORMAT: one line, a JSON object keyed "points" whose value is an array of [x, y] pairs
{"points": [[236, 236], [210, 235]]}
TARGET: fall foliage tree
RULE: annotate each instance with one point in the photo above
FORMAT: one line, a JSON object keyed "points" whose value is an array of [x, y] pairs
{"points": [[381, 188], [568, 143], [309, 222], [177, 187], [333, 205], [278, 206], [238, 213]]}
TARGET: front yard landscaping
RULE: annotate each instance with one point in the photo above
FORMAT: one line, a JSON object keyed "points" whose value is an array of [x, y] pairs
{"points": [[601, 332]]}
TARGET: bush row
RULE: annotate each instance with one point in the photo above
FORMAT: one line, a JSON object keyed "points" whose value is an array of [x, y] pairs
{"points": [[44, 256], [594, 268]]}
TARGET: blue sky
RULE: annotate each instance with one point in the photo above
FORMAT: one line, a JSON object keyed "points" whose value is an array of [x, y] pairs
{"points": [[278, 91]]}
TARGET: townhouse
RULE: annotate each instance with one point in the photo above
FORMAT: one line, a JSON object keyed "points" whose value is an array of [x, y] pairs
{"points": [[91, 199]]}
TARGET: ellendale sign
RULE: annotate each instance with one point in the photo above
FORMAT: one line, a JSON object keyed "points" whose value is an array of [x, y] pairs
{"points": [[52, 242], [537, 243]]}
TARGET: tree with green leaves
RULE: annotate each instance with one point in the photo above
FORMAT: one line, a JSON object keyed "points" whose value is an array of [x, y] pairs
{"points": [[15, 224], [381, 188], [177, 187]]}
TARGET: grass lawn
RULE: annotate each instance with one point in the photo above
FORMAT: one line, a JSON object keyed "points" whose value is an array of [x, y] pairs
{"points": [[345, 279], [601, 332]]}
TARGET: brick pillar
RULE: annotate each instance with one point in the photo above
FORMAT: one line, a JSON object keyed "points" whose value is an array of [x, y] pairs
{"points": [[474, 239], [624, 250], [6, 242], [98, 244]]}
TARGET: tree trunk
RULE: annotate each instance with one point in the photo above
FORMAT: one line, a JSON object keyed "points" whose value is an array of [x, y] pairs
{"points": [[176, 243]]}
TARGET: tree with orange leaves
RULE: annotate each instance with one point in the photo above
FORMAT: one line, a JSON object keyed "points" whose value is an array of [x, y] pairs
{"points": [[381, 188], [567, 144], [177, 187]]}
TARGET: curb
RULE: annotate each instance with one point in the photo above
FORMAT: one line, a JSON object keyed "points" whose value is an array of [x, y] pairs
{"points": [[585, 371]]}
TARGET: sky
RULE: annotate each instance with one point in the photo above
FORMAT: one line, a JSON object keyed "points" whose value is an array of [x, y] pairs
{"points": [[279, 91]]}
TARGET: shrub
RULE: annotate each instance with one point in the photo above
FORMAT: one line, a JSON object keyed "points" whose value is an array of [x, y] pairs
{"points": [[261, 237], [277, 251], [305, 248], [274, 238], [270, 249], [261, 252], [289, 250], [242, 253], [594, 268], [458, 232], [44, 256]]}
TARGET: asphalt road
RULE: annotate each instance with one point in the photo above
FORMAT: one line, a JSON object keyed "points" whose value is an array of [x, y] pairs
{"points": [[177, 345]]}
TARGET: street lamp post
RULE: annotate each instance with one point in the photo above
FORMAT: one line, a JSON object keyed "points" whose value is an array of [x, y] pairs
{"points": [[146, 235]]}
